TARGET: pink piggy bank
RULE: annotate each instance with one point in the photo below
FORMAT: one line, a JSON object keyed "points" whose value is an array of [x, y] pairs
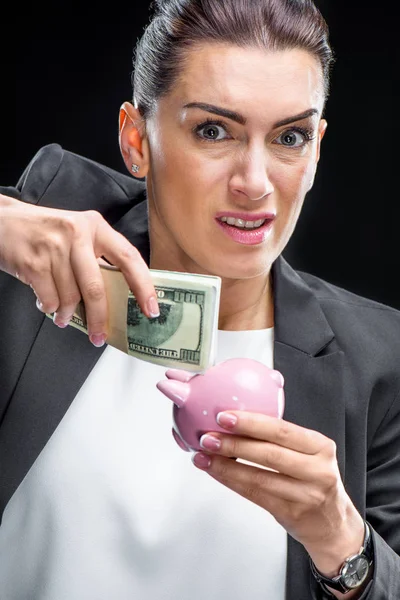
{"points": [[235, 384]]}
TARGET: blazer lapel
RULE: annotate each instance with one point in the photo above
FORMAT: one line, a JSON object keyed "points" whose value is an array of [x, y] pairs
{"points": [[313, 366]]}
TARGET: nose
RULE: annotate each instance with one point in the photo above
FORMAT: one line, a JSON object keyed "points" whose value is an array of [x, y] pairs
{"points": [[251, 178]]}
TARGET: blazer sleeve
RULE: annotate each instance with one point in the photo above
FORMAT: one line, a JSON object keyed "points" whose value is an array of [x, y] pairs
{"points": [[383, 505], [383, 508]]}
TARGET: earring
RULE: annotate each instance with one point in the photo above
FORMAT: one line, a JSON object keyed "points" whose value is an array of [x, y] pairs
{"points": [[135, 168]]}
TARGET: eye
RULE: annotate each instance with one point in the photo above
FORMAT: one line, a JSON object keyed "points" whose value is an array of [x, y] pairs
{"points": [[294, 138], [211, 131]]}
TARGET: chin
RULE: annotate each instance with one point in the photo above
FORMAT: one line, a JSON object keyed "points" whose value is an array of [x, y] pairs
{"points": [[239, 271]]}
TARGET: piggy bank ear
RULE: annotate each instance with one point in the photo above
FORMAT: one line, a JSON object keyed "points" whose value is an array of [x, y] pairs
{"points": [[278, 377], [179, 375], [177, 391]]}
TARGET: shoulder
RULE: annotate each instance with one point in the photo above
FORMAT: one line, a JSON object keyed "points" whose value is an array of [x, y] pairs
{"points": [[59, 178], [368, 333], [334, 297], [366, 326]]}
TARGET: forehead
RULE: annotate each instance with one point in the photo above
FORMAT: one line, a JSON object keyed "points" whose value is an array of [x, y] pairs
{"points": [[251, 80]]}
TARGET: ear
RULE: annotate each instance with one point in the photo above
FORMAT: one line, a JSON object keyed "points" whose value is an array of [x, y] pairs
{"points": [[133, 142], [323, 124], [321, 132]]}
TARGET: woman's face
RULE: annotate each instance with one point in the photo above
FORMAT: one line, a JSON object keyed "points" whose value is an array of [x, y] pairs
{"points": [[237, 138]]}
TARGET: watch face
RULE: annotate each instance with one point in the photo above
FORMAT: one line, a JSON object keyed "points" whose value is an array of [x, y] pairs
{"points": [[355, 571]]}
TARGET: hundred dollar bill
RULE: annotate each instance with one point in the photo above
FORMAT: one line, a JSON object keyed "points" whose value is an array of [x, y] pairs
{"points": [[183, 336]]}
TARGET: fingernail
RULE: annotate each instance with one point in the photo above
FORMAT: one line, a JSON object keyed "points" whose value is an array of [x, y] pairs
{"points": [[59, 323], [226, 420], [39, 305], [153, 308], [200, 460], [98, 340], [209, 442]]}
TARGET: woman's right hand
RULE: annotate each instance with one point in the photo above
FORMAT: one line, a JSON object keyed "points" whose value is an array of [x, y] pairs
{"points": [[57, 252]]}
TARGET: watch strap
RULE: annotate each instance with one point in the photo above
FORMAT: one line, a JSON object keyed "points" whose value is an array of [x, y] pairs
{"points": [[337, 582]]}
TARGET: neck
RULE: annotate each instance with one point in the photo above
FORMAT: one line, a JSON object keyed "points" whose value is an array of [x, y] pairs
{"points": [[245, 304]]}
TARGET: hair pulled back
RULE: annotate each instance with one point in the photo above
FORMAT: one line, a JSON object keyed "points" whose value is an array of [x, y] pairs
{"points": [[177, 25]]}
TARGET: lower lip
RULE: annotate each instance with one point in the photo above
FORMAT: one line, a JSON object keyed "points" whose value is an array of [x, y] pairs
{"points": [[248, 237]]}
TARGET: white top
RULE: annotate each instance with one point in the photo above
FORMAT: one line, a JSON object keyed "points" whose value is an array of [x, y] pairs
{"points": [[114, 508]]}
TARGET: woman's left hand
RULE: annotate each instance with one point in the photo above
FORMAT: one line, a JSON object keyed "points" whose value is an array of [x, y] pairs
{"points": [[294, 475]]}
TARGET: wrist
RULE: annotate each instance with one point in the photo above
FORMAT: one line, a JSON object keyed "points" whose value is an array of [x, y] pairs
{"points": [[329, 556], [354, 574]]}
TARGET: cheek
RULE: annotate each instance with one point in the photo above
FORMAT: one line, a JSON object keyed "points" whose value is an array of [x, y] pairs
{"points": [[189, 189], [292, 182], [181, 199], [173, 166]]}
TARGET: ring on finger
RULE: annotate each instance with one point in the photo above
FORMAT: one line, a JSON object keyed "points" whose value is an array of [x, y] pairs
{"points": [[39, 305]]}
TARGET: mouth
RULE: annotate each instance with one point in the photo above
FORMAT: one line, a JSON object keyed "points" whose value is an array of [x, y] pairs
{"points": [[242, 224], [246, 229]]}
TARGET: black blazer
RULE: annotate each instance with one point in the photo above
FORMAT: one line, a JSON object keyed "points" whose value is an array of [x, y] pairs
{"points": [[339, 354]]}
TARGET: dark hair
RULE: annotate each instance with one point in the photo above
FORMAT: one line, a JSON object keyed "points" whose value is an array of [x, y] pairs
{"points": [[177, 25]]}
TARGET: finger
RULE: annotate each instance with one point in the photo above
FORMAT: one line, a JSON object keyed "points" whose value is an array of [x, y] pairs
{"points": [[68, 290], [258, 485], [116, 248], [179, 375], [91, 285], [277, 495], [265, 454], [45, 291], [278, 431]]}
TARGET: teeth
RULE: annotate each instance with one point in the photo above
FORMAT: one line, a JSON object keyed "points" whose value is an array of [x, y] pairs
{"points": [[243, 224]]}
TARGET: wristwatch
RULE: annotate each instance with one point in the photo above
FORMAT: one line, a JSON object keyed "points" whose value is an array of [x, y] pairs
{"points": [[354, 570]]}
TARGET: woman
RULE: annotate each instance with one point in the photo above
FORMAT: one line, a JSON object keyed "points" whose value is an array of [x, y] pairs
{"points": [[226, 128]]}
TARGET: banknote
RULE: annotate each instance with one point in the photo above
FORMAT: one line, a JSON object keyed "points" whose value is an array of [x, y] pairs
{"points": [[183, 336]]}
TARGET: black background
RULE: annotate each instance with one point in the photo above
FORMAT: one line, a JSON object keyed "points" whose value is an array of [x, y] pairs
{"points": [[72, 68]]}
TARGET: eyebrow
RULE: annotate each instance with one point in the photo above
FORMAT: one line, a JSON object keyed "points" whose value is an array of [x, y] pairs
{"points": [[234, 116]]}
